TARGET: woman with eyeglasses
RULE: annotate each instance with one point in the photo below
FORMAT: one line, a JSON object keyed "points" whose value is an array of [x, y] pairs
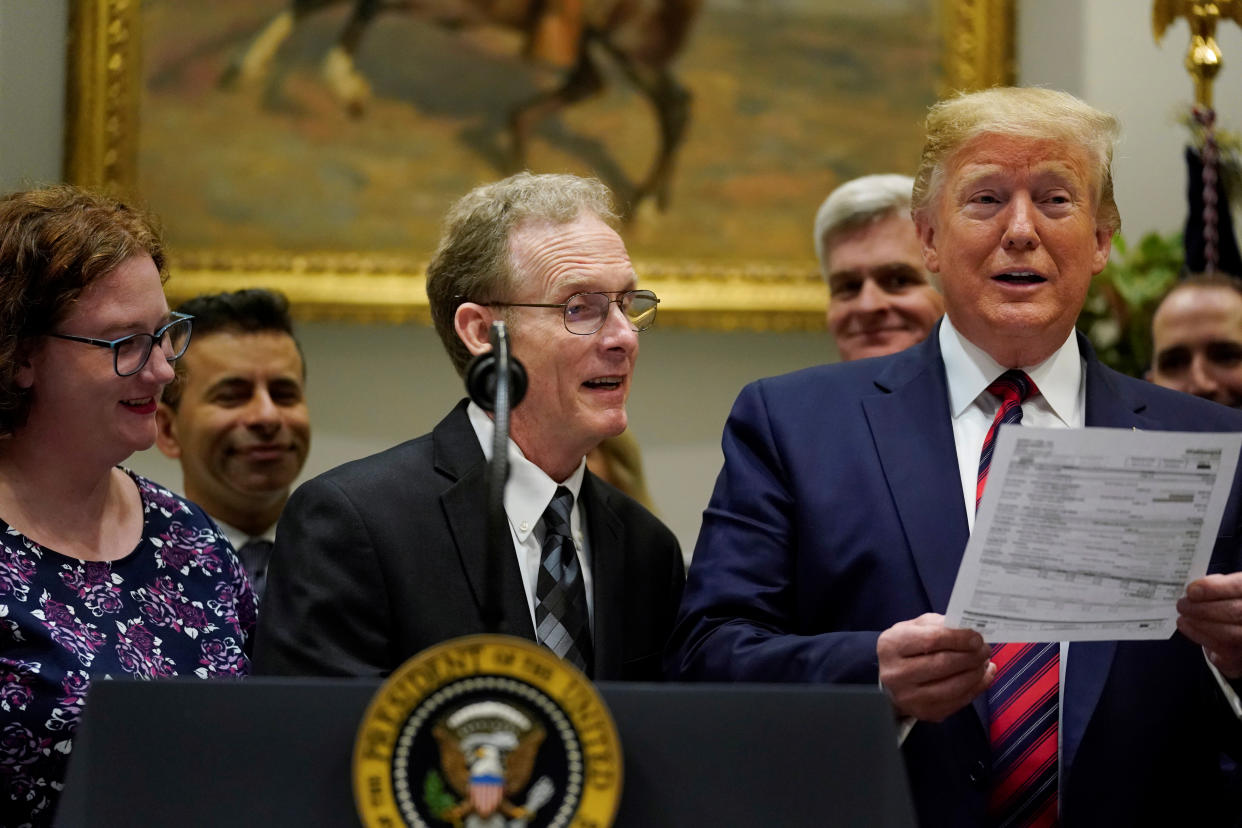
{"points": [[102, 572]]}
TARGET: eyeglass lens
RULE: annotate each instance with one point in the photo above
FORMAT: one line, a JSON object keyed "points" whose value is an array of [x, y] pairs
{"points": [[133, 353], [586, 312]]}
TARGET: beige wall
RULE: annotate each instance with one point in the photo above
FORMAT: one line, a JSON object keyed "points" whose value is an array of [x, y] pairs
{"points": [[32, 81]]}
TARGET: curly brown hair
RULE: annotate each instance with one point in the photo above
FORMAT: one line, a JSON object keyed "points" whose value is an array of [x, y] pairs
{"points": [[54, 243]]}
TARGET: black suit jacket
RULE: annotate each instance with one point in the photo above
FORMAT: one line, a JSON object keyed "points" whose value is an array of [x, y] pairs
{"points": [[382, 557]]}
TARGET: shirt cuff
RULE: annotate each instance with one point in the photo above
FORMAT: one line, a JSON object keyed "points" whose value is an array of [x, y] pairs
{"points": [[1229, 688], [904, 723]]}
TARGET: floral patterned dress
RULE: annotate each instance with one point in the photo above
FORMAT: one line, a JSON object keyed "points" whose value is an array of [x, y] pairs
{"points": [[179, 604]]}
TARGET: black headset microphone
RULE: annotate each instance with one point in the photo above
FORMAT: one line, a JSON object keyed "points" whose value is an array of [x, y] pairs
{"points": [[496, 381], [485, 371]]}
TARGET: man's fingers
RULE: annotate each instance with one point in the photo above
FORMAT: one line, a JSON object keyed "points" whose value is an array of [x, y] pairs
{"points": [[933, 701], [927, 634], [946, 663], [1215, 587], [1220, 610], [931, 671]]}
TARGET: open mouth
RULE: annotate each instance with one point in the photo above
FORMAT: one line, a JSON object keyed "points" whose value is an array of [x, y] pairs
{"points": [[604, 383], [1020, 277]]}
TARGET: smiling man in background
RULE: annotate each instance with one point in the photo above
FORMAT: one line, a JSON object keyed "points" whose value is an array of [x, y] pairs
{"points": [[236, 417], [1196, 337], [881, 299]]}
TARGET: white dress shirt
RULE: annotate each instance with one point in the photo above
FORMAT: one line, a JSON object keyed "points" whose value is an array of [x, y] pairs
{"points": [[527, 495], [1060, 403], [237, 538]]}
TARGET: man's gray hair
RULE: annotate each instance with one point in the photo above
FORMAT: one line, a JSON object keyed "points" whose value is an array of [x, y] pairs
{"points": [[859, 202], [472, 262]]}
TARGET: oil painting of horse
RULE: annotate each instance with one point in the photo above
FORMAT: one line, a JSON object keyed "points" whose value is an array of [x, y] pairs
{"points": [[350, 125]]}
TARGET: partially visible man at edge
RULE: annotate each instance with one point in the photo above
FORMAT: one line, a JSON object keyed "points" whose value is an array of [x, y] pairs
{"points": [[1196, 337], [236, 417], [881, 299], [832, 540], [385, 556]]}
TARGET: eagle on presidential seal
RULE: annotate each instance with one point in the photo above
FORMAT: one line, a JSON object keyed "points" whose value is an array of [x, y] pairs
{"points": [[487, 753]]}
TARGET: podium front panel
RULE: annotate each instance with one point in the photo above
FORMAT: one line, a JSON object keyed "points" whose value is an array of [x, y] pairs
{"points": [[271, 752]]}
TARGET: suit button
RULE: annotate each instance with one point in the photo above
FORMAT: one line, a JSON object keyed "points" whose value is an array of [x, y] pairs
{"points": [[978, 775]]}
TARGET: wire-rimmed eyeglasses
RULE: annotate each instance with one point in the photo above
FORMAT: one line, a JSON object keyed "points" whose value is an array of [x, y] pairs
{"points": [[130, 353], [585, 313]]}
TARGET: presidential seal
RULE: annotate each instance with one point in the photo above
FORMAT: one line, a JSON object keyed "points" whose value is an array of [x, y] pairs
{"points": [[487, 731]]}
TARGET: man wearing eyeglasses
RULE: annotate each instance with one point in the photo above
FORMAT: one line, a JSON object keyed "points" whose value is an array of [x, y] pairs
{"points": [[385, 556]]}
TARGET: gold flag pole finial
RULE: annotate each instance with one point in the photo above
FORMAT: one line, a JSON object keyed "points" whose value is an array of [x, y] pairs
{"points": [[1203, 57]]}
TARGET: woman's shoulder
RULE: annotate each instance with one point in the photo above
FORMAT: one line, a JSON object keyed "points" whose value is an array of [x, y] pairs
{"points": [[162, 501]]}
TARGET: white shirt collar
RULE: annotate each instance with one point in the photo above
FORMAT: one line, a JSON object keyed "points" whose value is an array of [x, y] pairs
{"points": [[970, 370], [530, 489], [237, 538]]}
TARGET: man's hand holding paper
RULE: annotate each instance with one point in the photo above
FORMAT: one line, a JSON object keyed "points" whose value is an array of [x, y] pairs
{"points": [[931, 671], [1210, 615]]}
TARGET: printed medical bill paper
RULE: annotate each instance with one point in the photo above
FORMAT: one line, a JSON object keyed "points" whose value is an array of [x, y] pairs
{"points": [[1091, 534]]}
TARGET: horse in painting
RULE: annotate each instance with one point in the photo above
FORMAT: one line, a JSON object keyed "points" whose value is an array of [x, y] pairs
{"points": [[642, 37]]}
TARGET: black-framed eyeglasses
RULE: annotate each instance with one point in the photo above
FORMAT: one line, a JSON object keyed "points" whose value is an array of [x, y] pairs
{"points": [[585, 313], [130, 353]]}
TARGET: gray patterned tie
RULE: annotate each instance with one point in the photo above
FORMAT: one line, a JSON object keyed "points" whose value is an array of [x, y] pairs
{"points": [[561, 622], [254, 555]]}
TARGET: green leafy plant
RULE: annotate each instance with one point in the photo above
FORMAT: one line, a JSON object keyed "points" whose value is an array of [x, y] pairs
{"points": [[1117, 314]]}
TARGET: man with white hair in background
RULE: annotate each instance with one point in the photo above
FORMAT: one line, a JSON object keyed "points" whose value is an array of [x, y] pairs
{"points": [[881, 299]]}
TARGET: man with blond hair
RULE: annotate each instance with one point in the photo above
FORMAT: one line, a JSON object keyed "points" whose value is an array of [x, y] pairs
{"points": [[848, 492], [880, 297]]}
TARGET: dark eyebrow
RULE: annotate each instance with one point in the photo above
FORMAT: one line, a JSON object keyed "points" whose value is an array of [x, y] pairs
{"points": [[838, 275], [229, 383]]}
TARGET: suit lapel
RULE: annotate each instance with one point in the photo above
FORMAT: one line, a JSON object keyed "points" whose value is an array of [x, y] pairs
{"points": [[913, 433], [606, 536], [1108, 406], [459, 457], [913, 436]]}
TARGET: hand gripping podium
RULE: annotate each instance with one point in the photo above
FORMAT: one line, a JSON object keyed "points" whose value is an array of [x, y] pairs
{"points": [[277, 752]]}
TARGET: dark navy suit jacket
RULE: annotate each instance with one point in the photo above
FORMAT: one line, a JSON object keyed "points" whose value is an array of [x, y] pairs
{"points": [[839, 512]]}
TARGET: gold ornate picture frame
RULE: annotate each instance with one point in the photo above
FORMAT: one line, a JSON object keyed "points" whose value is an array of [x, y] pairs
{"points": [[105, 70]]}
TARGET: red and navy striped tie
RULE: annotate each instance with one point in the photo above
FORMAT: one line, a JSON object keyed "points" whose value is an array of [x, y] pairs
{"points": [[1022, 700], [1013, 387]]}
